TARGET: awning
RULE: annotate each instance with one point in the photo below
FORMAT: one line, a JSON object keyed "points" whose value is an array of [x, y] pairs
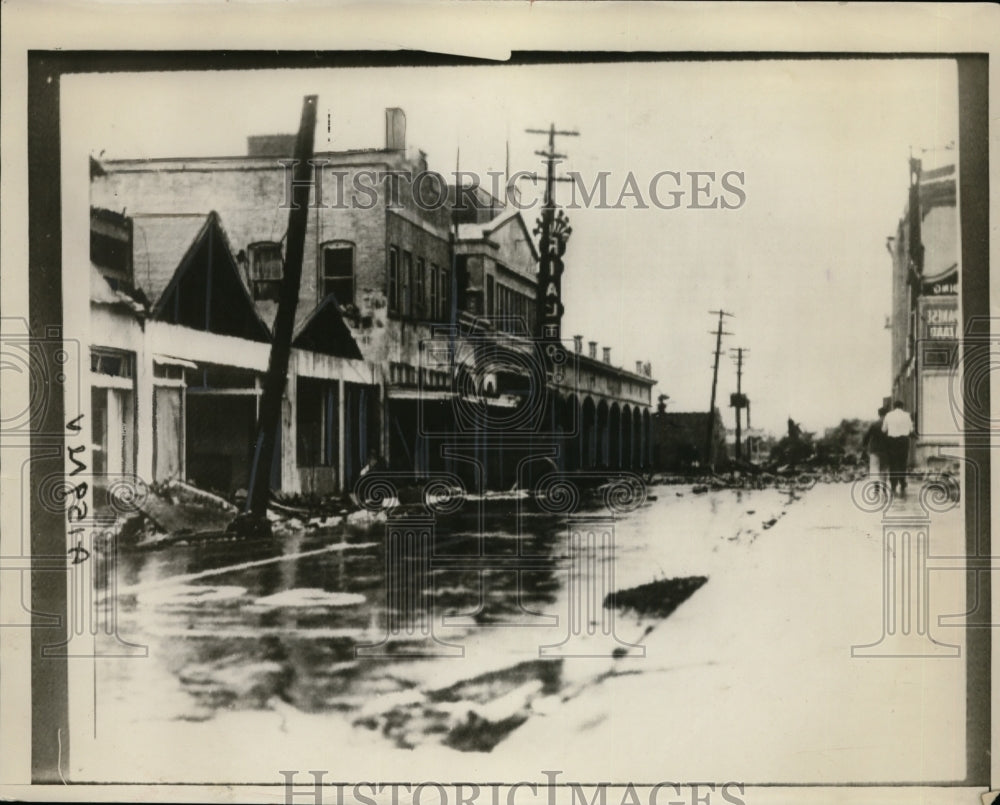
{"points": [[418, 394], [169, 360]]}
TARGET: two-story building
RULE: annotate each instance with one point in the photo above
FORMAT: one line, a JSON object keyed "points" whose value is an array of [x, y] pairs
{"points": [[415, 325]]}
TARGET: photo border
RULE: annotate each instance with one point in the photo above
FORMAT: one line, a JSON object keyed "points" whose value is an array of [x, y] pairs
{"points": [[46, 68]]}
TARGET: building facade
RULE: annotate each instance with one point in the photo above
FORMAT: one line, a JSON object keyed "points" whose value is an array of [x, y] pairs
{"points": [[925, 314], [415, 333]]}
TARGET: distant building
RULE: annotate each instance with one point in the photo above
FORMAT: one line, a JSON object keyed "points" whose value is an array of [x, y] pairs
{"points": [[924, 320], [679, 441]]}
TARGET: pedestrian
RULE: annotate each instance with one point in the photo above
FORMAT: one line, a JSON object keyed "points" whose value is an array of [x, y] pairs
{"points": [[898, 427], [875, 444]]}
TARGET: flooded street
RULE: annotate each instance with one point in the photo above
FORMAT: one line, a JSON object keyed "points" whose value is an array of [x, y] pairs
{"points": [[314, 645]]}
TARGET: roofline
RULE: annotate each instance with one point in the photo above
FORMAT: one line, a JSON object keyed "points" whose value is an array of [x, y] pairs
{"points": [[375, 156], [616, 369]]}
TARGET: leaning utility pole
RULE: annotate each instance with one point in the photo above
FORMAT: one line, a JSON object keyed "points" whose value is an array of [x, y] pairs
{"points": [[253, 519], [553, 231], [710, 439]]}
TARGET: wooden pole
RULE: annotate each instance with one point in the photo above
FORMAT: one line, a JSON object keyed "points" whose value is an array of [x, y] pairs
{"points": [[254, 514]]}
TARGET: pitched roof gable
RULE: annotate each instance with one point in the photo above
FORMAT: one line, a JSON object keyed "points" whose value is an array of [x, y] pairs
{"points": [[205, 290], [324, 330]]}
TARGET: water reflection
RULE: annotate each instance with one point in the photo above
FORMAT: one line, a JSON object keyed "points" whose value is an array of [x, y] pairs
{"points": [[238, 624]]}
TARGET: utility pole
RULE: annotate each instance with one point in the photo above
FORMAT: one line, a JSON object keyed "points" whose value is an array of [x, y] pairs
{"points": [[553, 231], [710, 439], [739, 401], [253, 519]]}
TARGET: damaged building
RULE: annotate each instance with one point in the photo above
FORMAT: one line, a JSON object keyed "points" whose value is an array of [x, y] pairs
{"points": [[415, 335]]}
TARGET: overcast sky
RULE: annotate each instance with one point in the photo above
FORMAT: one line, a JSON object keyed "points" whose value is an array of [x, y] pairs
{"points": [[802, 264]]}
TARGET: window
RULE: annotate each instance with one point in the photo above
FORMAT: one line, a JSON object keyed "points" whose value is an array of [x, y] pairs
{"points": [[432, 285], [338, 272], [489, 295], [112, 400], [111, 247], [392, 292], [316, 422], [406, 302], [418, 295], [444, 298], [266, 267], [115, 364]]}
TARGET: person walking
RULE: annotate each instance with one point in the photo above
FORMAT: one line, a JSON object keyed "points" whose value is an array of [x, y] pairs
{"points": [[875, 444], [898, 427]]}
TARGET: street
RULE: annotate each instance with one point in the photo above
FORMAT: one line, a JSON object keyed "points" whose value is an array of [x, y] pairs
{"points": [[750, 678]]}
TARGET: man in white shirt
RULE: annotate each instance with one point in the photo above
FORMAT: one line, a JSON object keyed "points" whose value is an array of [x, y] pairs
{"points": [[898, 426]]}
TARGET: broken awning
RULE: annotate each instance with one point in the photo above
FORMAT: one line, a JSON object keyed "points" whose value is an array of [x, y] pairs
{"points": [[170, 360]]}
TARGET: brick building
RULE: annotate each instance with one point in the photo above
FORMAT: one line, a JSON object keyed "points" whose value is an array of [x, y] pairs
{"points": [[417, 299]]}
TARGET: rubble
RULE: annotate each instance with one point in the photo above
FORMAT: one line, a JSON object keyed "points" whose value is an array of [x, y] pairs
{"points": [[658, 598]]}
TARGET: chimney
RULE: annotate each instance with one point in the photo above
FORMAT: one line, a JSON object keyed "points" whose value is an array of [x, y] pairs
{"points": [[638, 367], [607, 354], [395, 129], [593, 348], [578, 343], [647, 369]]}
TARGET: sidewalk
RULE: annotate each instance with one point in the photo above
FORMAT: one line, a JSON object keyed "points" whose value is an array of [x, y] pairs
{"points": [[753, 679]]}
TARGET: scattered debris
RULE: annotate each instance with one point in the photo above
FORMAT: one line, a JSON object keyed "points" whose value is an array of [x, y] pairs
{"points": [[473, 715], [658, 598]]}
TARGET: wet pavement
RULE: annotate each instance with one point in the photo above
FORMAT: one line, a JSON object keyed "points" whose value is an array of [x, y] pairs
{"points": [[321, 637]]}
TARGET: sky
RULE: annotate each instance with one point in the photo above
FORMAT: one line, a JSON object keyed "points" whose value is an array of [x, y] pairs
{"points": [[822, 147]]}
